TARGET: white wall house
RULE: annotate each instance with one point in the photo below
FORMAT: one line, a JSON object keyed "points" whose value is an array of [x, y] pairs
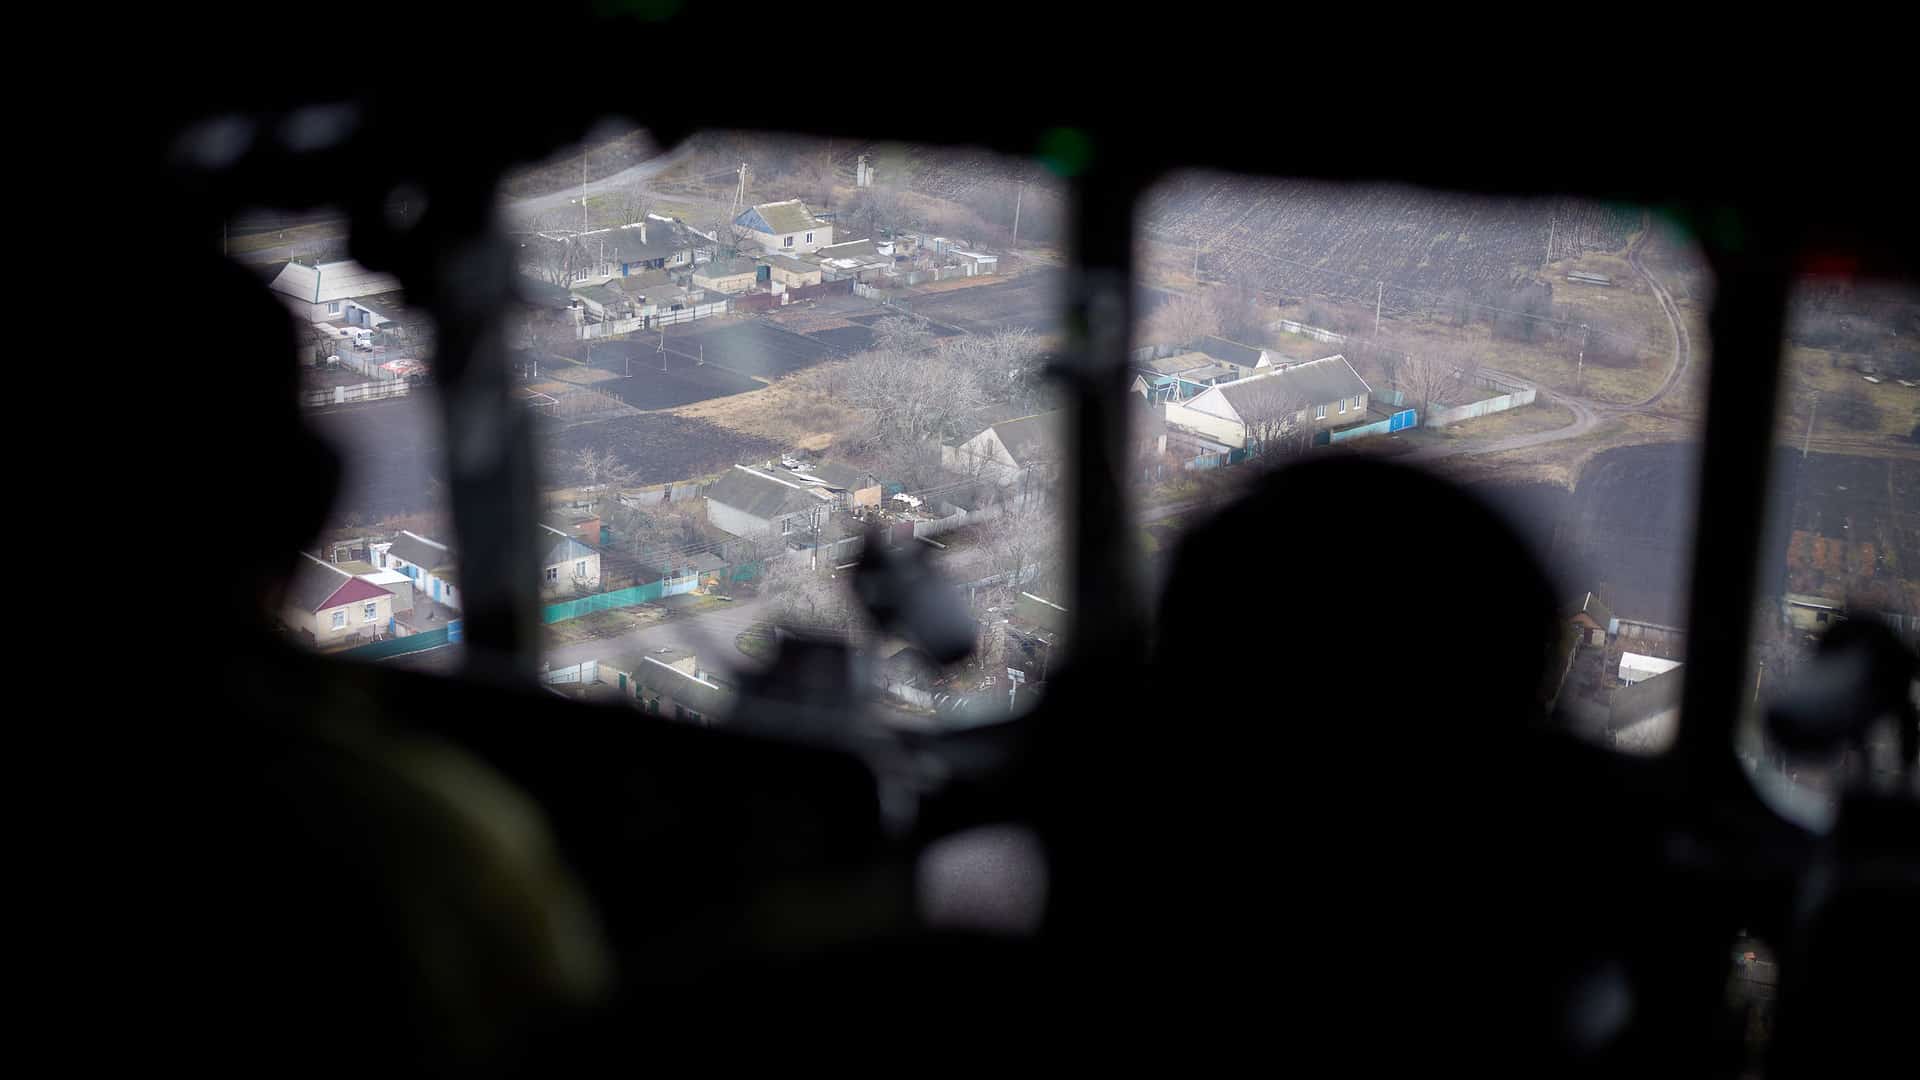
{"points": [[326, 292], [1324, 393], [566, 562], [756, 502], [1029, 448], [783, 228], [429, 563]]}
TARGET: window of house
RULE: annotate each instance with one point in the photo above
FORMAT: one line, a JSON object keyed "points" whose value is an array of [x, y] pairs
{"points": [[809, 238], [333, 308], [370, 611], [1343, 404], [339, 619], [786, 525], [1319, 412], [580, 568], [553, 573], [789, 242]]}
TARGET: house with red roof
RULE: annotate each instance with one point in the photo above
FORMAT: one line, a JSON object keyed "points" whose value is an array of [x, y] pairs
{"points": [[330, 607]]}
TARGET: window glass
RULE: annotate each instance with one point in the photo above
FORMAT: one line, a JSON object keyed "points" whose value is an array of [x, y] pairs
{"points": [[1547, 352], [725, 446], [1843, 539]]}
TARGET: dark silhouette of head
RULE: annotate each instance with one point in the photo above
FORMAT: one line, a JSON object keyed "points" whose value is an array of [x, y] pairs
{"points": [[240, 423]]}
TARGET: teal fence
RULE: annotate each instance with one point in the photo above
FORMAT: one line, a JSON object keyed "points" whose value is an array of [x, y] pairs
{"points": [[606, 601], [401, 646]]}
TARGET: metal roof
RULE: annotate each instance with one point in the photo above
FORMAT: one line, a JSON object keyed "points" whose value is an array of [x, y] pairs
{"points": [[1316, 382], [420, 551], [328, 282], [791, 215], [761, 495], [317, 585]]}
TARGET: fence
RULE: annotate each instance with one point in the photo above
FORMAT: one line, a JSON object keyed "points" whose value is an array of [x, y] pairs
{"points": [[401, 646], [586, 671], [1439, 418], [634, 596], [1399, 421], [616, 327], [1314, 332], [346, 395], [843, 287]]}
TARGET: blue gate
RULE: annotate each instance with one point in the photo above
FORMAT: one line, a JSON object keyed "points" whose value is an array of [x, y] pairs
{"points": [[1402, 420]]}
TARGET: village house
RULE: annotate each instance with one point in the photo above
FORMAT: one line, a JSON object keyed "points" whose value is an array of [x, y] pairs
{"points": [[565, 563], [1810, 614], [334, 292], [1593, 620], [785, 228], [1323, 394], [791, 272], [671, 683], [330, 607], [1027, 450], [758, 502], [597, 256], [428, 563], [730, 276]]}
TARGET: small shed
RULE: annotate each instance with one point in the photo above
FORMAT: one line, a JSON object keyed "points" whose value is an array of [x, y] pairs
{"points": [[1637, 667]]}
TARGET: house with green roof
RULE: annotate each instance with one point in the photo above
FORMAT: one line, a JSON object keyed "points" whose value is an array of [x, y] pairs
{"points": [[783, 228]]}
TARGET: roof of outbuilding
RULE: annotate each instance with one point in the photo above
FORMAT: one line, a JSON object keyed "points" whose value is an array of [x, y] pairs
{"points": [[791, 265], [723, 268], [761, 495], [1231, 352], [327, 282], [420, 551]]}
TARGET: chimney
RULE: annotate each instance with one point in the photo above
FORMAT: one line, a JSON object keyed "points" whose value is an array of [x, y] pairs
{"points": [[643, 231]]}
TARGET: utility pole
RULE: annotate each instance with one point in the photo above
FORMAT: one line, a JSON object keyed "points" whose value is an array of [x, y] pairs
{"points": [[1580, 365], [1551, 224], [1017, 194], [1379, 292], [1811, 410]]}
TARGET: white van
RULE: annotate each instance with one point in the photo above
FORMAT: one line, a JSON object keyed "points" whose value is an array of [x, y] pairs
{"points": [[362, 337]]}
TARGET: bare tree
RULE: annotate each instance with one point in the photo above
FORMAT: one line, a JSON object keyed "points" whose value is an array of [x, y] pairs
{"points": [[901, 334], [806, 597], [911, 399], [1184, 319], [632, 205], [1438, 375], [1274, 413], [1023, 543], [604, 474]]}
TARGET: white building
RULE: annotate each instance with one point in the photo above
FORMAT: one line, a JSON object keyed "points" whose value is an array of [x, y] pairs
{"points": [[326, 292], [1635, 667], [784, 228]]}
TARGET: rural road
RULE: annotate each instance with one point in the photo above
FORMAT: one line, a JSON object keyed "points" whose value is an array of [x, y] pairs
{"points": [[708, 634], [1587, 413], [534, 204], [632, 174]]}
